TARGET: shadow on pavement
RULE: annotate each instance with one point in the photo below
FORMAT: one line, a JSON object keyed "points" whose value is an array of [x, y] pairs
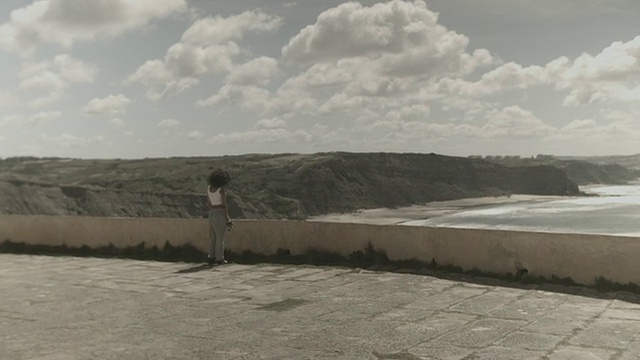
{"points": [[367, 259], [195, 269]]}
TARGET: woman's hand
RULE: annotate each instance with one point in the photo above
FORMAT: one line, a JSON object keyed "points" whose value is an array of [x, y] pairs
{"points": [[229, 225]]}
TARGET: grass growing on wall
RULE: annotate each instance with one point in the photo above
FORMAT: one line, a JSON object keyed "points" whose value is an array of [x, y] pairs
{"points": [[368, 258], [168, 252]]}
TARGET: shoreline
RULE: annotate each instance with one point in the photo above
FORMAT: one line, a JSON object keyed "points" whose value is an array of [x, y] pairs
{"points": [[395, 216]]}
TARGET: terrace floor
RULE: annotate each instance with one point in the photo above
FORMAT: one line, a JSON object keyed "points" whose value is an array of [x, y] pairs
{"points": [[91, 308]]}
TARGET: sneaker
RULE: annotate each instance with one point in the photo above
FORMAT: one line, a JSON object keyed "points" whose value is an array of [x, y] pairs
{"points": [[222, 262]]}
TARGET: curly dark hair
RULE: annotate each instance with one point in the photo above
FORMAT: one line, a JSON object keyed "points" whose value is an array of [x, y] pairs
{"points": [[219, 178]]}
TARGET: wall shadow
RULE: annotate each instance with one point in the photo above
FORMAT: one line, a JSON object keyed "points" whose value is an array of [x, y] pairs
{"points": [[194, 269], [369, 259]]}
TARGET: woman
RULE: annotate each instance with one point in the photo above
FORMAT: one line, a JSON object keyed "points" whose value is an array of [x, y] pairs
{"points": [[219, 220]]}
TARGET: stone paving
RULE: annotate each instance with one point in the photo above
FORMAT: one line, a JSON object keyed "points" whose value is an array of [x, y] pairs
{"points": [[90, 308]]}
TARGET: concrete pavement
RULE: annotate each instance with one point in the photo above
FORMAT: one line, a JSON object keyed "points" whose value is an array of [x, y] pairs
{"points": [[91, 308]]}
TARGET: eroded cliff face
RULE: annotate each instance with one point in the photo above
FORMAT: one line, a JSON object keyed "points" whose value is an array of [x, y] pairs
{"points": [[351, 181], [264, 186], [28, 198]]}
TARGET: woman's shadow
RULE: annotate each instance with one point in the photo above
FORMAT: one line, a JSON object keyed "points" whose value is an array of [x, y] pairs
{"points": [[196, 268]]}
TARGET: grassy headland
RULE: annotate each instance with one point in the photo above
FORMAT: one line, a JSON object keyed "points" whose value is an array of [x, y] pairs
{"points": [[293, 186]]}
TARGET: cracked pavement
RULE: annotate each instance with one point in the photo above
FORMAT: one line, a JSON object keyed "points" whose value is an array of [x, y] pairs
{"points": [[93, 308]]}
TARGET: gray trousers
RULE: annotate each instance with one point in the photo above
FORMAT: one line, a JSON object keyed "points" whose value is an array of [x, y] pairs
{"points": [[217, 229]]}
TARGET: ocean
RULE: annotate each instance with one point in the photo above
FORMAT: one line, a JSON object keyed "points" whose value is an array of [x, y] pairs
{"points": [[613, 210]]}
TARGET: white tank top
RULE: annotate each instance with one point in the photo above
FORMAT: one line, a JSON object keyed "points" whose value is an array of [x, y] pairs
{"points": [[215, 197]]}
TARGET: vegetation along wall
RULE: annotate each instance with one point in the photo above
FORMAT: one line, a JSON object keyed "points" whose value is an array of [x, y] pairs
{"points": [[581, 257]]}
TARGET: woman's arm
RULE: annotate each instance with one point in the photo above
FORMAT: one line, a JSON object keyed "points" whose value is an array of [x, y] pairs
{"points": [[223, 195]]}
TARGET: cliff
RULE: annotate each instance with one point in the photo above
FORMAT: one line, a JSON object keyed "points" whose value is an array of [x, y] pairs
{"points": [[343, 181], [264, 186], [582, 171], [19, 197]]}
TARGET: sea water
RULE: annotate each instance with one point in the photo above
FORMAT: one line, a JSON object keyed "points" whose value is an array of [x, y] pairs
{"points": [[612, 210]]}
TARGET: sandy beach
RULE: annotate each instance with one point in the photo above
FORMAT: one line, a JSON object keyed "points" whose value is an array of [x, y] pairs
{"points": [[387, 216]]}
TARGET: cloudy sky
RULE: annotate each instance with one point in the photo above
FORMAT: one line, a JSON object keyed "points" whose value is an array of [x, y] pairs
{"points": [[149, 78]]}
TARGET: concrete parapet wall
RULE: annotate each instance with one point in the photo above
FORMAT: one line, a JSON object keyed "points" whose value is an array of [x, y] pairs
{"points": [[583, 258]]}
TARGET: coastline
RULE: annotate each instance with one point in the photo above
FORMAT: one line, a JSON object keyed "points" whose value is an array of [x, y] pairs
{"points": [[395, 216]]}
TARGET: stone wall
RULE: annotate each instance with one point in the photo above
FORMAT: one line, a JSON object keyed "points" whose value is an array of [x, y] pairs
{"points": [[583, 258]]}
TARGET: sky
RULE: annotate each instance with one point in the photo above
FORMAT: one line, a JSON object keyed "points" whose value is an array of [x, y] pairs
{"points": [[148, 78]]}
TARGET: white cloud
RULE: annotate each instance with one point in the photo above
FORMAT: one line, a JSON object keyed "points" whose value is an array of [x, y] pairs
{"points": [[45, 117], [578, 125], [362, 31], [342, 102], [248, 97], [243, 85], [54, 76], [186, 61], [195, 135], [288, 101], [348, 86], [270, 123], [110, 105], [301, 93], [510, 122], [69, 141], [118, 122], [258, 71], [168, 123], [513, 121], [509, 76], [603, 93], [615, 62], [405, 39], [66, 22], [207, 47], [593, 135], [610, 77], [262, 136], [387, 53], [419, 111], [7, 99], [398, 131], [321, 75], [217, 30], [10, 120], [159, 80], [336, 137]]}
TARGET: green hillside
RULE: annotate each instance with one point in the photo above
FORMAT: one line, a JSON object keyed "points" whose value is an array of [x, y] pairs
{"points": [[264, 186]]}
